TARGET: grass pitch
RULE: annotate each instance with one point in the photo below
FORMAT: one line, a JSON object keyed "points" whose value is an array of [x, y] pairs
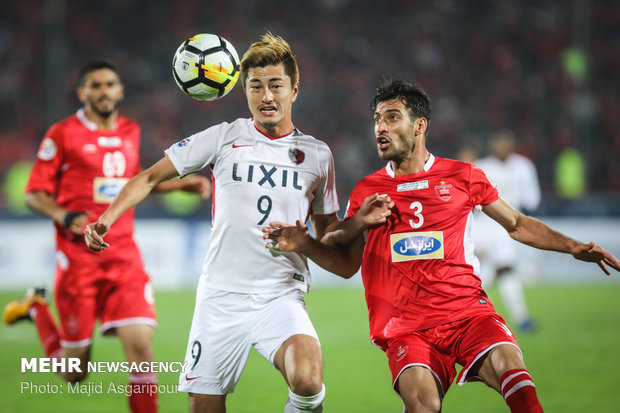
{"points": [[573, 358]]}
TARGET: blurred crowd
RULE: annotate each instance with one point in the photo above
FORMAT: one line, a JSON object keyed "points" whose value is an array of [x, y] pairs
{"points": [[545, 69]]}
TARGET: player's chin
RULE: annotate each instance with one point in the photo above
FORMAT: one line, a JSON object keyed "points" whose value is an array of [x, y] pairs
{"points": [[105, 112], [384, 154], [267, 122]]}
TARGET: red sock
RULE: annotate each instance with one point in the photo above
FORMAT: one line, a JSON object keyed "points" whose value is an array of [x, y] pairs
{"points": [[519, 392], [46, 328], [143, 398]]}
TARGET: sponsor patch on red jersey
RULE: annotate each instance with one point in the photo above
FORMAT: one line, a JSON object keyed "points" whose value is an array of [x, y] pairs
{"points": [[410, 246], [105, 189]]}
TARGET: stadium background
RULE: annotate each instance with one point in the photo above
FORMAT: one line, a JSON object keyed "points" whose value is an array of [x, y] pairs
{"points": [[546, 69]]}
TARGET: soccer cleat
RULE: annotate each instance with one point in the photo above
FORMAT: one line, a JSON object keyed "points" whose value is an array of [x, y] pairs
{"points": [[20, 309], [528, 326]]}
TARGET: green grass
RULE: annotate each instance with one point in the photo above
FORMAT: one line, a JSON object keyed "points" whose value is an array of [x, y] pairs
{"points": [[573, 358]]}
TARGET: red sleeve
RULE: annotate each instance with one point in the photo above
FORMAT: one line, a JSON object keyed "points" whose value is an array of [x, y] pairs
{"points": [[50, 158], [483, 191], [137, 132], [355, 202]]}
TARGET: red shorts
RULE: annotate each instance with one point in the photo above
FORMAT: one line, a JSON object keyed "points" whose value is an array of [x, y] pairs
{"points": [[118, 294], [440, 348]]}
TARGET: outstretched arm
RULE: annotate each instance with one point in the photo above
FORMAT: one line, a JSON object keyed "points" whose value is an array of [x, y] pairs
{"points": [[535, 233], [341, 244], [342, 260], [45, 204], [195, 184], [132, 193], [374, 211]]}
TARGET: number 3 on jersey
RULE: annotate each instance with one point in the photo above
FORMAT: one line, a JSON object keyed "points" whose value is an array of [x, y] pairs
{"points": [[416, 206]]}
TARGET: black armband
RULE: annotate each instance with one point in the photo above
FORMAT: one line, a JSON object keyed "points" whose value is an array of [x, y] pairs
{"points": [[70, 216]]}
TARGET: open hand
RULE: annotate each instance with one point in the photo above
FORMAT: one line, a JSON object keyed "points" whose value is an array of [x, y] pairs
{"points": [[93, 235], [375, 209], [594, 253], [286, 237], [199, 185]]}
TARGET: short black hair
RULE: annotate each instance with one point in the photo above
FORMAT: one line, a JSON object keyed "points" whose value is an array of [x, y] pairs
{"points": [[96, 65], [412, 96]]}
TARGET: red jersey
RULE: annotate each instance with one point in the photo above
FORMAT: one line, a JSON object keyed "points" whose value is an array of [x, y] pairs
{"points": [[84, 168], [418, 267]]}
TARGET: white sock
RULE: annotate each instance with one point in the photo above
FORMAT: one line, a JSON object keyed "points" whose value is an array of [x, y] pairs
{"points": [[511, 290], [301, 404]]}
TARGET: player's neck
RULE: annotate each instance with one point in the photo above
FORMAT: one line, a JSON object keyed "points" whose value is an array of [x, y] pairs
{"points": [[275, 131], [412, 165], [102, 122]]}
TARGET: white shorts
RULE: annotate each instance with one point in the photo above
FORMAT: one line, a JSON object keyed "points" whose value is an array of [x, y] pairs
{"points": [[224, 328]]}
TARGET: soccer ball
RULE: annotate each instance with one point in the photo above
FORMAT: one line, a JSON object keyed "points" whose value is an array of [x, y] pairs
{"points": [[206, 66]]}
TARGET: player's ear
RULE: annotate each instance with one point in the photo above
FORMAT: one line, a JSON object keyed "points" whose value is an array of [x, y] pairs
{"points": [[295, 90], [420, 126], [80, 94]]}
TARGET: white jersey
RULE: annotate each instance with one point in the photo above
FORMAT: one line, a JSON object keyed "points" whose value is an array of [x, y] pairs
{"points": [[517, 183], [257, 179], [516, 179]]}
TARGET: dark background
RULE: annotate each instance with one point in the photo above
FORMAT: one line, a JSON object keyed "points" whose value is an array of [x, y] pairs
{"points": [[546, 69]]}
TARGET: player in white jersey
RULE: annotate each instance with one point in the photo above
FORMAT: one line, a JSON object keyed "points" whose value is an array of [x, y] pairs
{"points": [[253, 174], [264, 169], [517, 180]]}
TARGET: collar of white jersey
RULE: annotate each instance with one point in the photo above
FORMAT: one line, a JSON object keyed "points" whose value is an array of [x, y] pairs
{"points": [[90, 125], [294, 132], [429, 163]]}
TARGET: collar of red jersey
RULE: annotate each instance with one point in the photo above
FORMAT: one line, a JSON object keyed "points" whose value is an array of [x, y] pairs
{"points": [[81, 115], [429, 163]]}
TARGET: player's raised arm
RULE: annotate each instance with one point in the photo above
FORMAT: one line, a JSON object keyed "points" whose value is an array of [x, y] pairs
{"points": [[195, 184], [341, 245], [374, 211], [338, 259], [535, 233], [136, 189]]}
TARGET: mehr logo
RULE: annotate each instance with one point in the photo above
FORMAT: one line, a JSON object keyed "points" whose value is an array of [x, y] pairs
{"points": [[72, 365], [51, 365], [417, 246]]}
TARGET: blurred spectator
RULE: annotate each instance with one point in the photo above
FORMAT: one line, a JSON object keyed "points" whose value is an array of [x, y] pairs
{"points": [[570, 174], [517, 183], [491, 65]]}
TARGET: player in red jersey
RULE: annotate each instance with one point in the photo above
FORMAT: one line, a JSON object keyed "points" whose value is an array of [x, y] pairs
{"points": [[426, 307], [82, 163]]}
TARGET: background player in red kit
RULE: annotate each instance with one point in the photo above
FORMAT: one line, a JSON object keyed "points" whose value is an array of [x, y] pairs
{"points": [[82, 163], [426, 307]]}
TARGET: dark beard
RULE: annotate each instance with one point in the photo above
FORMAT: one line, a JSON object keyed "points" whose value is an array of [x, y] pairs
{"points": [[105, 114]]}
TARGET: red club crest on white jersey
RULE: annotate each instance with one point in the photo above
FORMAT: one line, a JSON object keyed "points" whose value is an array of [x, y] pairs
{"points": [[296, 155]]}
